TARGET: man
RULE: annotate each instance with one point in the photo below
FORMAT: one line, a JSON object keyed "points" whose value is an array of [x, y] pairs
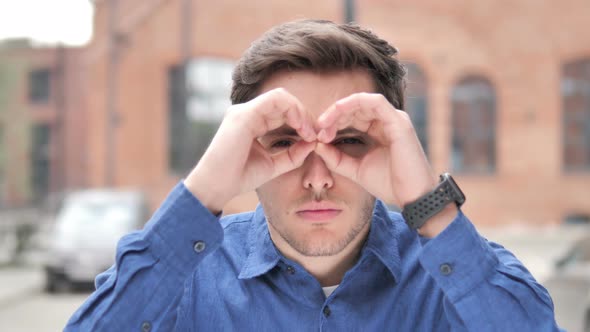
{"points": [[316, 128]]}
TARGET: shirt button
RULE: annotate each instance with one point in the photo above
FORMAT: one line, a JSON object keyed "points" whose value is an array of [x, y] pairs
{"points": [[199, 246], [146, 327], [290, 269], [446, 269], [327, 311]]}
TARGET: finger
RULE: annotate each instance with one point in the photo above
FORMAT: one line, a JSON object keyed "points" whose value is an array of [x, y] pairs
{"points": [[353, 118], [365, 100], [329, 117], [359, 111], [374, 180], [337, 118], [279, 107], [291, 158], [338, 161], [327, 135]]}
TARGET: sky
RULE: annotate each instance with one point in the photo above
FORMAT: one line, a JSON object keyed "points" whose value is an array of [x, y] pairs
{"points": [[47, 21]]}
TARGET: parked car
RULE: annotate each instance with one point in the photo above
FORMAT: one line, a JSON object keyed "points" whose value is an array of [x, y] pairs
{"points": [[569, 286], [85, 234]]}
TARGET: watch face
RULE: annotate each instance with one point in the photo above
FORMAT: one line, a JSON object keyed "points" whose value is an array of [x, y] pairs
{"points": [[459, 196]]}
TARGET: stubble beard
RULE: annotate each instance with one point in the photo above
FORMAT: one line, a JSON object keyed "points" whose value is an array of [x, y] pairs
{"points": [[311, 247]]}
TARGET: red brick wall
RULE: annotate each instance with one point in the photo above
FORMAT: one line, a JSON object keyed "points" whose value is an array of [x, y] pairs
{"points": [[518, 46]]}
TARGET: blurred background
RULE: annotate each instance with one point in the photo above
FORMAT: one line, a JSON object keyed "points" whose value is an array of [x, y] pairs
{"points": [[105, 105]]}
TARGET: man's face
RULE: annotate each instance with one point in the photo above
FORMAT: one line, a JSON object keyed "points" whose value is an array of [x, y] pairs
{"points": [[311, 210]]}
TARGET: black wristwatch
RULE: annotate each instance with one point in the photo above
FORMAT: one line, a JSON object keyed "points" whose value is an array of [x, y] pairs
{"points": [[419, 211]]}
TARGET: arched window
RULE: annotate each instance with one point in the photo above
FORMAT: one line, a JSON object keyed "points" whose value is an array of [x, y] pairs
{"points": [[575, 94], [474, 125], [417, 102]]}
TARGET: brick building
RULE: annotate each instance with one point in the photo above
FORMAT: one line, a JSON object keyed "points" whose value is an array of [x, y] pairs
{"points": [[500, 96], [42, 122]]}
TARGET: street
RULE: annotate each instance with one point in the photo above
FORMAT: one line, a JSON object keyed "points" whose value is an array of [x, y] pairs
{"points": [[39, 312], [24, 306]]}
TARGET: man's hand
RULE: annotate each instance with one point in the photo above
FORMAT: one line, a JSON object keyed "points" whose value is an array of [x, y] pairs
{"points": [[236, 162], [395, 169]]}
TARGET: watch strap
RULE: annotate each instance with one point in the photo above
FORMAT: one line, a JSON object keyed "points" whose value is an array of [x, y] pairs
{"points": [[418, 212]]}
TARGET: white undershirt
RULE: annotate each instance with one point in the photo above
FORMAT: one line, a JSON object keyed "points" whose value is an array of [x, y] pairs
{"points": [[329, 290]]}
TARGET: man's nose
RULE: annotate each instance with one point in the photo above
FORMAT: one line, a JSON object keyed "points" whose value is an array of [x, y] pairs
{"points": [[316, 176]]}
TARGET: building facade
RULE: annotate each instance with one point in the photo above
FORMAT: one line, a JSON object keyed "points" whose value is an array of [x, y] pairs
{"points": [[500, 96], [42, 122]]}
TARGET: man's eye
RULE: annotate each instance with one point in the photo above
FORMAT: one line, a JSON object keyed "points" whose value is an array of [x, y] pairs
{"points": [[281, 144], [349, 141], [353, 146]]}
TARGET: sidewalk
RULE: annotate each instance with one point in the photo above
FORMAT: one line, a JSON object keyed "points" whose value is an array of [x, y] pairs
{"points": [[19, 282], [537, 247]]}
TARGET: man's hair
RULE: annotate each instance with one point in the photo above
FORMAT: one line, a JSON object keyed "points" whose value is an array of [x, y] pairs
{"points": [[320, 46]]}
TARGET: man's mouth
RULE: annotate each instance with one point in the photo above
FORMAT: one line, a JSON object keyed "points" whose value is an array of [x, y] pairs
{"points": [[318, 211]]}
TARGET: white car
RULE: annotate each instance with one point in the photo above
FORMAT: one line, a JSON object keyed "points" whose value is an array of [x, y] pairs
{"points": [[85, 235], [569, 287]]}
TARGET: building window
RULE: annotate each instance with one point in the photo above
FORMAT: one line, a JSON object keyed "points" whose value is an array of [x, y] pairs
{"points": [[40, 160], [2, 167], [577, 219], [474, 126], [199, 95], [39, 85], [575, 92], [417, 102]]}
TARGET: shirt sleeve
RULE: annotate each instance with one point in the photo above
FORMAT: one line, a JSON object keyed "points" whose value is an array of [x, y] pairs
{"points": [[141, 291], [486, 288]]}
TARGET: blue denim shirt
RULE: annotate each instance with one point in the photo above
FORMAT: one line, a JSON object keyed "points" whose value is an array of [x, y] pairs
{"points": [[189, 270]]}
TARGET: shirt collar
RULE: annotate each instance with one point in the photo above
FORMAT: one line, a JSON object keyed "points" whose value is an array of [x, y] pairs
{"points": [[382, 241]]}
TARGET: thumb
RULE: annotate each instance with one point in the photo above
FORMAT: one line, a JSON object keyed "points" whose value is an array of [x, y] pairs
{"points": [[292, 158], [338, 162]]}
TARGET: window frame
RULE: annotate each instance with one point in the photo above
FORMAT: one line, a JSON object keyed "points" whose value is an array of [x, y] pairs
{"points": [[192, 124], [567, 89], [39, 85], [420, 122], [457, 164]]}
